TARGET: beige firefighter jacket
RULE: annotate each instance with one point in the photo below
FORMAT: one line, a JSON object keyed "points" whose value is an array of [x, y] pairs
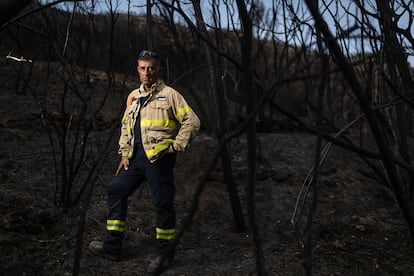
{"points": [[167, 122]]}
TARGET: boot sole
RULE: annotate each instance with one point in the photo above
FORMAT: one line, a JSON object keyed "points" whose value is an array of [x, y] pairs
{"points": [[104, 255]]}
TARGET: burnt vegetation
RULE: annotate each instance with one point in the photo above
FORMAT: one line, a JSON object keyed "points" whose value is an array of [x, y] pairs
{"points": [[303, 165]]}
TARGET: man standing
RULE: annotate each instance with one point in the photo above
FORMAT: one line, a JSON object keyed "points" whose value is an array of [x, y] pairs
{"points": [[157, 123]]}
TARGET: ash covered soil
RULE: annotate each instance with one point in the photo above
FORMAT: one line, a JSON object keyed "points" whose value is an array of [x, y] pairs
{"points": [[358, 229]]}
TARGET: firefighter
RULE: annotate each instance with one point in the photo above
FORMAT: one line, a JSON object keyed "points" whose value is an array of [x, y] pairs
{"points": [[157, 123]]}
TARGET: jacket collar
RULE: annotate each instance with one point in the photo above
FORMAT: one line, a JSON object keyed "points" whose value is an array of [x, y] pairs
{"points": [[157, 86]]}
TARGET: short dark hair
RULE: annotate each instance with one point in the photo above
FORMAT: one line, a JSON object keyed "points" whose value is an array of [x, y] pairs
{"points": [[148, 54]]}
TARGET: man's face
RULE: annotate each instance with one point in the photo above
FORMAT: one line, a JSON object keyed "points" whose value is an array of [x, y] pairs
{"points": [[148, 71]]}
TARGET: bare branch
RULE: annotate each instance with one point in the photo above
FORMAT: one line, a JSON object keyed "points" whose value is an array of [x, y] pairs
{"points": [[21, 59]]}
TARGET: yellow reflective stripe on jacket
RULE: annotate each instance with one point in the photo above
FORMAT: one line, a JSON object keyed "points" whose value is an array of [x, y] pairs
{"points": [[115, 225], [158, 123], [181, 111], [165, 234], [159, 148]]}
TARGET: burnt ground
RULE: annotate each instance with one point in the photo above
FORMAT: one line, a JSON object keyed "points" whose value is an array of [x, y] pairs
{"points": [[358, 229]]}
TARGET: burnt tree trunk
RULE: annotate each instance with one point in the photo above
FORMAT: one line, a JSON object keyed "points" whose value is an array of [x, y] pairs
{"points": [[219, 103], [401, 79], [246, 43]]}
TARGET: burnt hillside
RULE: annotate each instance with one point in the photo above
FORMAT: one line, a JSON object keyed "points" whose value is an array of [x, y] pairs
{"points": [[65, 77]]}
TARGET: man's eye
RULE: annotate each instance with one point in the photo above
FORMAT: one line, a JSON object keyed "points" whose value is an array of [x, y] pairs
{"points": [[149, 69]]}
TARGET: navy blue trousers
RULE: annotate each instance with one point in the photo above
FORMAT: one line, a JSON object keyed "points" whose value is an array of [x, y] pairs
{"points": [[160, 178]]}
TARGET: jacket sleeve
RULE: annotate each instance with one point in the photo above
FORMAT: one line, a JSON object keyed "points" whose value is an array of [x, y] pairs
{"points": [[123, 142], [189, 122]]}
